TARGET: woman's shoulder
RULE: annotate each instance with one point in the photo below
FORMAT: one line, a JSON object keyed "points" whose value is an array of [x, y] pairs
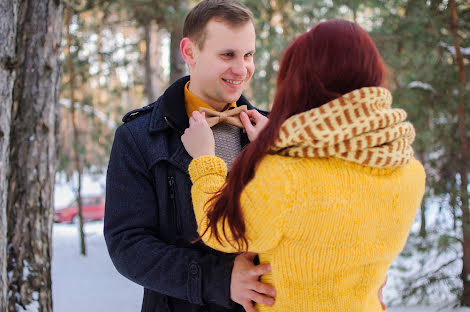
{"points": [[414, 168], [281, 164]]}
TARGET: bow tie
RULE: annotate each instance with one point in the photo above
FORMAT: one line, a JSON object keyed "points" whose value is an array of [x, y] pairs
{"points": [[231, 116]]}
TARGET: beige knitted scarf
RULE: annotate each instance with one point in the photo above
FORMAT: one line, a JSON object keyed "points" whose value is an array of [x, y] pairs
{"points": [[360, 127]]}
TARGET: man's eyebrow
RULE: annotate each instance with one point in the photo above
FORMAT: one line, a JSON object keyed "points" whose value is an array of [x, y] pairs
{"points": [[235, 51], [227, 51]]}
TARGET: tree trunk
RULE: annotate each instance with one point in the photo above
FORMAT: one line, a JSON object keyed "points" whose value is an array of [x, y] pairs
{"points": [[282, 11], [422, 228], [76, 139], [177, 64], [454, 194], [8, 18], [148, 64], [156, 57], [33, 155], [463, 167]]}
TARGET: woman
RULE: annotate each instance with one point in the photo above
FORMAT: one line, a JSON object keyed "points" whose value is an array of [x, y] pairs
{"points": [[328, 191]]}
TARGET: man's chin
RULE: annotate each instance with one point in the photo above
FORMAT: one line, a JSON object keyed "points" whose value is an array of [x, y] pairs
{"points": [[233, 98]]}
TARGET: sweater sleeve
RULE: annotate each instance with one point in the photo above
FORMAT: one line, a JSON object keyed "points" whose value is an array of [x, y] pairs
{"points": [[265, 202]]}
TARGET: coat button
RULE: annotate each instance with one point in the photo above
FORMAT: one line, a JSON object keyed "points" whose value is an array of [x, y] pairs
{"points": [[193, 269]]}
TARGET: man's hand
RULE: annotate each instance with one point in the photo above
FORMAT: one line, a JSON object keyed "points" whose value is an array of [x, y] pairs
{"points": [[253, 122], [246, 287], [198, 139]]}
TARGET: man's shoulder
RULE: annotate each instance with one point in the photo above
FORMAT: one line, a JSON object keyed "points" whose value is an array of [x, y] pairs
{"points": [[139, 112], [137, 123]]}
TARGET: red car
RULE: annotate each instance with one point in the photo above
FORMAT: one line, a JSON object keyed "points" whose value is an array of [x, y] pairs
{"points": [[92, 209]]}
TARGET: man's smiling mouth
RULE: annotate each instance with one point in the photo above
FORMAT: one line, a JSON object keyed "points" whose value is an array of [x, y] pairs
{"points": [[235, 82]]}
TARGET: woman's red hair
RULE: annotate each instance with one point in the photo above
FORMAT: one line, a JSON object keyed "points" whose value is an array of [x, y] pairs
{"points": [[333, 58]]}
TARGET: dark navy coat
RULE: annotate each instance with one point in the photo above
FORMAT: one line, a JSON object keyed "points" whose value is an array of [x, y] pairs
{"points": [[149, 220]]}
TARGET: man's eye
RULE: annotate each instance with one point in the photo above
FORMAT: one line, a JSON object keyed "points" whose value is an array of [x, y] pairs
{"points": [[228, 54], [249, 54]]}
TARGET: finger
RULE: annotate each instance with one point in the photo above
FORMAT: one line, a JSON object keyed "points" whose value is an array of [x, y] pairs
{"points": [[261, 298], [264, 289], [204, 120], [246, 122], [200, 115], [384, 283], [260, 270], [200, 118], [248, 306], [195, 114], [249, 255], [254, 114], [191, 121]]}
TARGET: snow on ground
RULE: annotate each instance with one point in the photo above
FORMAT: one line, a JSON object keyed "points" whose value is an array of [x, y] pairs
{"points": [[92, 283], [88, 283]]}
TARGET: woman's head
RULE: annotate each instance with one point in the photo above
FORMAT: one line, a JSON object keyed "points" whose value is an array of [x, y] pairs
{"points": [[332, 59]]}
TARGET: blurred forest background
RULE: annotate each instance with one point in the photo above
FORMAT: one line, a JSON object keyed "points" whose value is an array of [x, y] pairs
{"points": [[71, 69]]}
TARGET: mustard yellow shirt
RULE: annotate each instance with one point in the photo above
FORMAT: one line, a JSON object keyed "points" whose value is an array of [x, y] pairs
{"points": [[329, 228], [192, 102]]}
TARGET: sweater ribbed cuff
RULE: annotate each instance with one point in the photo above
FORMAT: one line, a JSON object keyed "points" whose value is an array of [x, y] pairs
{"points": [[206, 165]]}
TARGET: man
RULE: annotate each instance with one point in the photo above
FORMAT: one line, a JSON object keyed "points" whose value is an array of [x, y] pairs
{"points": [[149, 220]]}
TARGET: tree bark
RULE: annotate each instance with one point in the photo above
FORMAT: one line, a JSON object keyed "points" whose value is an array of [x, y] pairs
{"points": [[76, 139], [8, 17], [422, 228], [282, 11], [177, 64], [463, 166], [32, 155], [156, 57], [148, 64]]}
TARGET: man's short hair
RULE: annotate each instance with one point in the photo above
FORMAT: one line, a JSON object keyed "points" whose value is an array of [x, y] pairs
{"points": [[231, 12]]}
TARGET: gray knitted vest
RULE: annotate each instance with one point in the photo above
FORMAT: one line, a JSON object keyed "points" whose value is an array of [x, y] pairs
{"points": [[227, 142]]}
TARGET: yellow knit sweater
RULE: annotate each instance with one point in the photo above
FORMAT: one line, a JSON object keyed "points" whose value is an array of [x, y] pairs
{"points": [[329, 227]]}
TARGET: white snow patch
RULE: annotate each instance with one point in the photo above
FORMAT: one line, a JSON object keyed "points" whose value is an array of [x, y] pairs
{"points": [[32, 307], [88, 283], [451, 49], [26, 270], [421, 85]]}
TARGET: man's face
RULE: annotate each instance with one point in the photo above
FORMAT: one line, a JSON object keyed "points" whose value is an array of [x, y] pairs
{"points": [[224, 65]]}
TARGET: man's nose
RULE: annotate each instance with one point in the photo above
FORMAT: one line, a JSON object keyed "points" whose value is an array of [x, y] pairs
{"points": [[239, 67]]}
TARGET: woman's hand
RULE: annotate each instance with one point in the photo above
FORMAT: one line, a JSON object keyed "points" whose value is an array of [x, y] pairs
{"points": [[198, 139], [253, 122]]}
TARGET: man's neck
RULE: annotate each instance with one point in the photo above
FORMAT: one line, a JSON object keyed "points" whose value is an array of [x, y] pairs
{"points": [[217, 106]]}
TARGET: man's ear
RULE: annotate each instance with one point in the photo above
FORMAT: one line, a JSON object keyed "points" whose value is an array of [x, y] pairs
{"points": [[187, 48]]}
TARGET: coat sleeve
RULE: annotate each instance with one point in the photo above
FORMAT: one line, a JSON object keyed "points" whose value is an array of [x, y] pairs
{"points": [[131, 233], [266, 202]]}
